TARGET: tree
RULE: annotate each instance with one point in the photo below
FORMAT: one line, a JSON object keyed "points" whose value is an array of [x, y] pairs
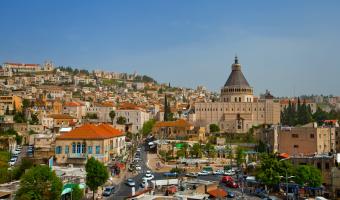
{"points": [[96, 174], [272, 169], [112, 115], [34, 119], [77, 193], [240, 156], [147, 127], [14, 108], [121, 120], [185, 149], [214, 128], [26, 104], [308, 175], [196, 150], [166, 109], [320, 115], [210, 149], [180, 153], [39, 183], [7, 111]]}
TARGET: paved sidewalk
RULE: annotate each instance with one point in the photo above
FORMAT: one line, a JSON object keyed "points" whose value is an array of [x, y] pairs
{"points": [[152, 160]]}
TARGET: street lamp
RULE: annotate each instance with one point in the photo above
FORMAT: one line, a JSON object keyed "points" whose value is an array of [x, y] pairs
{"points": [[286, 177]]}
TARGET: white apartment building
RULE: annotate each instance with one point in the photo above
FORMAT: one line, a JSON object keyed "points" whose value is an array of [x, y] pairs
{"points": [[135, 116]]}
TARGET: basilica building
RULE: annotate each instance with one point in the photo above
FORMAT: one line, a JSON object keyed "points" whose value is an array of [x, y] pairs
{"points": [[238, 109]]}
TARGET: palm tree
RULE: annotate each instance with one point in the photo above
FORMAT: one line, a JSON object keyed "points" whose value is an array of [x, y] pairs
{"points": [[196, 150], [185, 149]]}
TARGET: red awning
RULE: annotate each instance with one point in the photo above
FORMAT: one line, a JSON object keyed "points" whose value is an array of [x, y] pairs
{"points": [[284, 155], [217, 193]]}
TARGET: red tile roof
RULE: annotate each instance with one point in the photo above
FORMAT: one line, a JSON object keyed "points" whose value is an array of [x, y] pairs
{"points": [[177, 123], [73, 104], [91, 131]]}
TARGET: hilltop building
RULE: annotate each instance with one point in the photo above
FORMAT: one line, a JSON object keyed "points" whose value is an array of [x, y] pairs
{"points": [[238, 110]]}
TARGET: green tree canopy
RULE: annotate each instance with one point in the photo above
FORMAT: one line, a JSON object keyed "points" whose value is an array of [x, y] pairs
{"points": [[273, 170], [240, 156], [112, 115], [147, 127], [214, 128], [96, 174], [196, 150], [39, 183], [77, 193], [308, 175], [121, 120]]}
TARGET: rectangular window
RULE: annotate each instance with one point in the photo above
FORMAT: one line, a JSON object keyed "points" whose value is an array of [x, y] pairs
{"points": [[296, 146], [97, 149], [319, 165], [58, 150], [327, 165], [89, 149], [295, 135], [66, 149], [311, 135]]}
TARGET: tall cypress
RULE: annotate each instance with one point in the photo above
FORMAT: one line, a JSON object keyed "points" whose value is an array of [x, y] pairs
{"points": [[166, 114]]}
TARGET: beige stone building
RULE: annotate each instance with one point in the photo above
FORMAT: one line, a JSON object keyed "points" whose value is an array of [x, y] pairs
{"points": [[102, 142], [305, 141], [238, 110]]}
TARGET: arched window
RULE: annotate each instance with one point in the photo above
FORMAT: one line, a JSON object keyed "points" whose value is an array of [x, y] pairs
{"points": [[73, 147]]}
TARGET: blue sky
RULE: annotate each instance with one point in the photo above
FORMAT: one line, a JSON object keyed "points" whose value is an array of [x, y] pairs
{"points": [[288, 47]]}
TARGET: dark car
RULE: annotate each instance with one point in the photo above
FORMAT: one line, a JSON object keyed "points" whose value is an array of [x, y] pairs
{"points": [[231, 194], [108, 191], [232, 184], [170, 174]]}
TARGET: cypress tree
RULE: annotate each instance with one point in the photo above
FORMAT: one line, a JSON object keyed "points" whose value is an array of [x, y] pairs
{"points": [[166, 114]]}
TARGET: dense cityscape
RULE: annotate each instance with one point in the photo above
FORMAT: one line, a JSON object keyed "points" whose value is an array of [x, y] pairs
{"points": [[126, 136], [169, 100]]}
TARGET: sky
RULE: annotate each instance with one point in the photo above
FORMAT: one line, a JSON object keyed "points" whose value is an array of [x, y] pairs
{"points": [[288, 47]]}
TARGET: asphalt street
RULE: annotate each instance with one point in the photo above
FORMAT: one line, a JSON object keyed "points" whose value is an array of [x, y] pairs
{"points": [[123, 190]]}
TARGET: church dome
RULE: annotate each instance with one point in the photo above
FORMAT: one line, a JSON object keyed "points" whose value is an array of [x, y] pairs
{"points": [[236, 77]]}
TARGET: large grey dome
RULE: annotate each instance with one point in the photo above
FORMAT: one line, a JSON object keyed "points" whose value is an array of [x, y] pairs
{"points": [[236, 77]]}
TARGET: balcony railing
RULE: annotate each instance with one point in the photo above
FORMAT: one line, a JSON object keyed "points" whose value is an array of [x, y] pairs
{"points": [[77, 155]]}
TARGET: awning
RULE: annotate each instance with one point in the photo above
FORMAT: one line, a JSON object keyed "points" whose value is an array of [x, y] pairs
{"points": [[217, 193], [284, 155]]}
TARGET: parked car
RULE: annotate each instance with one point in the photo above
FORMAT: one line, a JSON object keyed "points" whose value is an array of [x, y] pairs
{"points": [[170, 174], [230, 194], [232, 184], [138, 167], [226, 179], [203, 173], [144, 182], [130, 182], [191, 174], [229, 173], [12, 161], [148, 176], [218, 172], [270, 198], [108, 191]]}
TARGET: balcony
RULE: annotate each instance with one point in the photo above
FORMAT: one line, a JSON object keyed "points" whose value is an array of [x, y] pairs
{"points": [[77, 155]]}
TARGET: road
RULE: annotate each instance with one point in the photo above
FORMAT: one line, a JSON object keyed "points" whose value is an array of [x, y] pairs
{"points": [[123, 190]]}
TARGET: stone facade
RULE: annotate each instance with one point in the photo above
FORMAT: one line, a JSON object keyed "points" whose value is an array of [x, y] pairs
{"points": [[238, 110]]}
